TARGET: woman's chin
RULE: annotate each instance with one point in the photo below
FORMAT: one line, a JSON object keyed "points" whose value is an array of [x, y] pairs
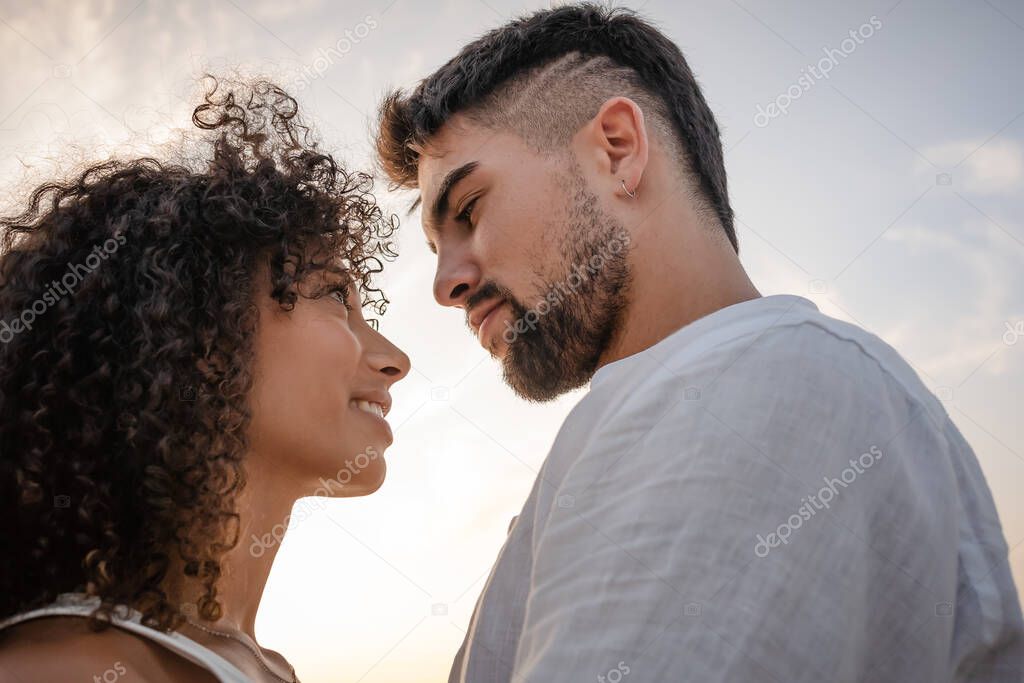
{"points": [[357, 475], [361, 488], [372, 488]]}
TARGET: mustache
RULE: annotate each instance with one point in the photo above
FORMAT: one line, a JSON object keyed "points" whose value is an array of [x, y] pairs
{"points": [[488, 291]]}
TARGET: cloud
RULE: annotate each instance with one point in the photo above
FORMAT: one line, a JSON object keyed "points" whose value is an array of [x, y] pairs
{"points": [[988, 271], [996, 167]]}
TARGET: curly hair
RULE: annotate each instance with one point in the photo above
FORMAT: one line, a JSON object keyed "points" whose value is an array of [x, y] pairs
{"points": [[127, 315]]}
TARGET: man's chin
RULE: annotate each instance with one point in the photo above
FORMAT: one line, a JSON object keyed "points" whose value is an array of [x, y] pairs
{"points": [[542, 378], [498, 349]]}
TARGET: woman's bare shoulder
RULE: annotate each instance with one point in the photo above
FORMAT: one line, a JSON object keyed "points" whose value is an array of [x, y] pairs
{"points": [[64, 648]]}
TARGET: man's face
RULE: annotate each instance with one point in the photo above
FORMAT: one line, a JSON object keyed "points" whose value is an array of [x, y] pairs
{"points": [[527, 250]]}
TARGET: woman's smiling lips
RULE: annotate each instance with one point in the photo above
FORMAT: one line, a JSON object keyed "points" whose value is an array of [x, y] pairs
{"points": [[371, 407], [377, 406]]}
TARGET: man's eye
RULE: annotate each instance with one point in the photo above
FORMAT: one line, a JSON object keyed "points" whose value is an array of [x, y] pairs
{"points": [[466, 215]]}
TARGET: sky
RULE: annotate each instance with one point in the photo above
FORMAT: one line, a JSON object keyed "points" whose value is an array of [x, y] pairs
{"points": [[879, 174]]}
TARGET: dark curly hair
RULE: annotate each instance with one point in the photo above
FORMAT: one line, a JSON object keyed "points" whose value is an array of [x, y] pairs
{"points": [[127, 315]]}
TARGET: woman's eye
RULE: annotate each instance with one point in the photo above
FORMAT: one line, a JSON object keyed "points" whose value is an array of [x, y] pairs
{"points": [[340, 294]]}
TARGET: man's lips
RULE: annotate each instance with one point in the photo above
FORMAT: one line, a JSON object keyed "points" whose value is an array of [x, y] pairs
{"points": [[478, 316]]}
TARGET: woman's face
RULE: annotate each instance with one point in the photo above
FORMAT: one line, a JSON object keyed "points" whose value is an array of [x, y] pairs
{"points": [[320, 393]]}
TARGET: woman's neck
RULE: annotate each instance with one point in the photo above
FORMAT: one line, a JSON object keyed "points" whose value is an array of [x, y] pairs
{"points": [[263, 507]]}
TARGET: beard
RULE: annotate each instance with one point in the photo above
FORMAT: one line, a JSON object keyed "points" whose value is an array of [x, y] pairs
{"points": [[556, 346]]}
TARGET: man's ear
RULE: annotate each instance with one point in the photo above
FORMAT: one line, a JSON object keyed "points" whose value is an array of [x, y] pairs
{"points": [[618, 136]]}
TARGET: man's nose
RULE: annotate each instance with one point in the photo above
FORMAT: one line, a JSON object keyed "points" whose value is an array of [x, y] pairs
{"points": [[456, 278]]}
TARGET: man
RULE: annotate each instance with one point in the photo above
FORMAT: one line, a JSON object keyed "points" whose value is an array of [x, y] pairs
{"points": [[750, 490]]}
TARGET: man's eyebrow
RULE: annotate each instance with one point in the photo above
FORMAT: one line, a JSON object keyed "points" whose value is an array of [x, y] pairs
{"points": [[440, 207]]}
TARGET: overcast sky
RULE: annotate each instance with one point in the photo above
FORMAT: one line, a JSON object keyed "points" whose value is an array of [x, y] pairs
{"points": [[889, 192]]}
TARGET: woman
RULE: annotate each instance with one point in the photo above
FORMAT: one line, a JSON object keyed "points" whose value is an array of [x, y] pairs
{"points": [[182, 356]]}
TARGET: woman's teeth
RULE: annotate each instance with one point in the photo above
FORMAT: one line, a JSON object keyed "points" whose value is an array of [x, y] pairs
{"points": [[370, 407]]}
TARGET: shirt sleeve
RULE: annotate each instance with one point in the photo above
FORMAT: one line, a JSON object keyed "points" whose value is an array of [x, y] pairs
{"points": [[744, 533]]}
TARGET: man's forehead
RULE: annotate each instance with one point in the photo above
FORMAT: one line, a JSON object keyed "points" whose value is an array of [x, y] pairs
{"points": [[447, 149]]}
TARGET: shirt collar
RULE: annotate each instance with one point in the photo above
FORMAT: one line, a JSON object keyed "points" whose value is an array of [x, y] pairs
{"points": [[778, 304]]}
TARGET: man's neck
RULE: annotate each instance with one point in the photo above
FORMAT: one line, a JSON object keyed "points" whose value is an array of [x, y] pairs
{"points": [[676, 279]]}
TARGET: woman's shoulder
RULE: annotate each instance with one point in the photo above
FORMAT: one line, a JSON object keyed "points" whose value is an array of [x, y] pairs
{"points": [[64, 648]]}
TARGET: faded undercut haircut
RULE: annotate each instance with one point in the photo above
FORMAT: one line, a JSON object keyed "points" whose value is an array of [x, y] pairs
{"points": [[544, 76]]}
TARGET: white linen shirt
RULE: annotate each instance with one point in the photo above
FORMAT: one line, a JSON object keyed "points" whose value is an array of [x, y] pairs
{"points": [[768, 494]]}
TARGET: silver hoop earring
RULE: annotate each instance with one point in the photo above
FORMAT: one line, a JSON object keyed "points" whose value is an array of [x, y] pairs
{"points": [[632, 195]]}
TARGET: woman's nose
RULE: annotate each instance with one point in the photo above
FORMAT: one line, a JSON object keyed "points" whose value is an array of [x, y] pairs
{"points": [[388, 359]]}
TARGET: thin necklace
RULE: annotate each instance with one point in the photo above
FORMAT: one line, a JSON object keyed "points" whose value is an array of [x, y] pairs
{"points": [[251, 648]]}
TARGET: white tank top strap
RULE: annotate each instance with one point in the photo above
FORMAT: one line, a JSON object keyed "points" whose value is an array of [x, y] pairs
{"points": [[75, 604]]}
